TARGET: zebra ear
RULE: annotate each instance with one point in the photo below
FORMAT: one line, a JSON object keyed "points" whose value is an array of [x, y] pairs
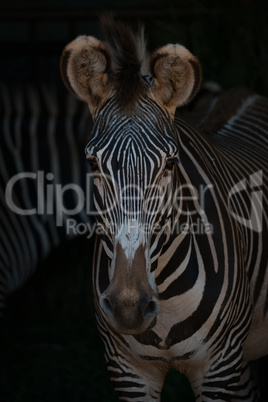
{"points": [[177, 76], [85, 63]]}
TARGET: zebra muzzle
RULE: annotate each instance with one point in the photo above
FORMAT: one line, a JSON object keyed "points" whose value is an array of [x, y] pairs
{"points": [[129, 312], [130, 303]]}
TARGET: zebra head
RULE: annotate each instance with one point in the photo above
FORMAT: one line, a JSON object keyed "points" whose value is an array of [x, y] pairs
{"points": [[133, 152]]}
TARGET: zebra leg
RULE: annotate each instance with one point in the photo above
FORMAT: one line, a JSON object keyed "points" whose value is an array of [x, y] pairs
{"points": [[247, 389], [225, 381], [136, 382]]}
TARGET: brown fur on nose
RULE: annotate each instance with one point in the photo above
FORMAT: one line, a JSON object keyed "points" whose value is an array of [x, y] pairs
{"points": [[130, 302]]}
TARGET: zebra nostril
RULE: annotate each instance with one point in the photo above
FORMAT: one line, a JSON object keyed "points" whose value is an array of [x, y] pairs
{"points": [[151, 309], [127, 310], [106, 306]]}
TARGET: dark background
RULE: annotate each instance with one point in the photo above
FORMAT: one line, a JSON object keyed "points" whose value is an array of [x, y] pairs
{"points": [[230, 37], [49, 346]]}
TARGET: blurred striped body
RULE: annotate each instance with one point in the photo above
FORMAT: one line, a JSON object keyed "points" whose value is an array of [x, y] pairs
{"points": [[39, 135]]}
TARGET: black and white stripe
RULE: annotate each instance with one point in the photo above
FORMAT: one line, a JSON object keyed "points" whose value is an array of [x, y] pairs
{"points": [[43, 130]]}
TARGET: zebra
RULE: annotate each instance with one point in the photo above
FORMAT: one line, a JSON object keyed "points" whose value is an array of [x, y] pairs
{"points": [[39, 193], [180, 279]]}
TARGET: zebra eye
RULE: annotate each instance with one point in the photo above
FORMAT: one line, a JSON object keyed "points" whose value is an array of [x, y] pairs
{"points": [[170, 162], [93, 162]]}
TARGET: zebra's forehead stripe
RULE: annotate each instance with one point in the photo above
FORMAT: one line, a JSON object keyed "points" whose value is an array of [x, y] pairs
{"points": [[149, 130]]}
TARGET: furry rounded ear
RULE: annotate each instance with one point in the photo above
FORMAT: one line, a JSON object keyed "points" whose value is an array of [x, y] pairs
{"points": [[85, 63], [177, 76]]}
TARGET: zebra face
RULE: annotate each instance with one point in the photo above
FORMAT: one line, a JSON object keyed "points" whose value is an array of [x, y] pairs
{"points": [[134, 160], [133, 153]]}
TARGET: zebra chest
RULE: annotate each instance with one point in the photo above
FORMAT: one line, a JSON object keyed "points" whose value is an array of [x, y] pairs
{"points": [[173, 325], [184, 329], [168, 346]]}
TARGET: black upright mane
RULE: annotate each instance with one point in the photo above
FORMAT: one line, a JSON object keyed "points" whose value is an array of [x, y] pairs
{"points": [[128, 53]]}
